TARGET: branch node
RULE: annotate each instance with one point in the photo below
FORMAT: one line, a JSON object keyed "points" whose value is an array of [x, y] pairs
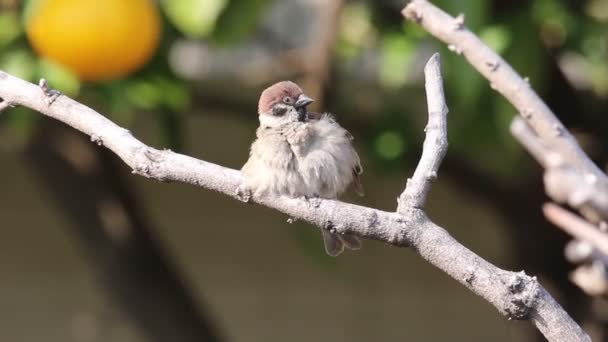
{"points": [[493, 65], [154, 155], [523, 291], [313, 202], [526, 113], [469, 275], [371, 219], [50, 95], [411, 13], [330, 227], [459, 22], [96, 139], [558, 130], [455, 48], [243, 193]]}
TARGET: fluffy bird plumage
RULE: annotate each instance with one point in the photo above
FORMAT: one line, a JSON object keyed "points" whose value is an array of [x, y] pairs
{"points": [[301, 154]]}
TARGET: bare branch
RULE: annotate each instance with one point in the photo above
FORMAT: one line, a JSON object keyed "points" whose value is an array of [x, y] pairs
{"points": [[506, 81], [563, 183], [576, 226], [435, 143], [528, 138], [515, 295], [571, 177]]}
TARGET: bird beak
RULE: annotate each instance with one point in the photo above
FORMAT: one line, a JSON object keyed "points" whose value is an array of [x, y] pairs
{"points": [[303, 101]]}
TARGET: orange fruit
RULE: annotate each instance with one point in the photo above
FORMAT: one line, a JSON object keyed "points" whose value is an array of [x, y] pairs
{"points": [[96, 39]]}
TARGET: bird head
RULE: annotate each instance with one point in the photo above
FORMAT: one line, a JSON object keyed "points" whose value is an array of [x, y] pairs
{"points": [[281, 103]]}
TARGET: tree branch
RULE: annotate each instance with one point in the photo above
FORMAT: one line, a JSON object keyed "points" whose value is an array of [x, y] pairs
{"points": [[507, 82], [515, 295], [571, 177], [576, 226], [435, 142]]}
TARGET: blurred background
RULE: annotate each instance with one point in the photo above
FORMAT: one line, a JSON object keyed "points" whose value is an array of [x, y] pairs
{"points": [[91, 253]]}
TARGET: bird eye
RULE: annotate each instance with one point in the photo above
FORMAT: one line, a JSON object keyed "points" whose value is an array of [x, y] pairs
{"points": [[287, 100]]}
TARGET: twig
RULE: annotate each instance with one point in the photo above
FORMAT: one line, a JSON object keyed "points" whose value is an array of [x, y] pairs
{"points": [[515, 295], [576, 226], [435, 143]]}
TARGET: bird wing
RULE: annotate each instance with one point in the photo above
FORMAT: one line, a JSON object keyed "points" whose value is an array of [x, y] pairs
{"points": [[357, 169]]}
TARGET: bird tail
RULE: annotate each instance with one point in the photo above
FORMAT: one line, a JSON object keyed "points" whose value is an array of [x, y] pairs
{"points": [[334, 243]]}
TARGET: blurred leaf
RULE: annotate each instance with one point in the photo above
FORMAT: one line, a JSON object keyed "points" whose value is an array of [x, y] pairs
{"points": [[238, 20], [465, 84], [397, 55], [59, 77], [526, 56], [175, 93], [114, 95], [194, 18], [497, 37], [389, 145], [143, 93], [355, 25], [10, 28], [19, 62]]}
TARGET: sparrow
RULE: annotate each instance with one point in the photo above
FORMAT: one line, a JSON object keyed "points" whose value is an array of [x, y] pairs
{"points": [[298, 153]]}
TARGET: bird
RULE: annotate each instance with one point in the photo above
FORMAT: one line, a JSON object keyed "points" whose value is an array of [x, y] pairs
{"points": [[298, 154]]}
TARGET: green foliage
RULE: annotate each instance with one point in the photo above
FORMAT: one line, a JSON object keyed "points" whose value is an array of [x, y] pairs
{"points": [[389, 145], [60, 77], [194, 18], [238, 20], [11, 28]]}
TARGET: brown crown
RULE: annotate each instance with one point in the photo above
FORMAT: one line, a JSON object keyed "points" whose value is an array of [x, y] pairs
{"points": [[276, 93]]}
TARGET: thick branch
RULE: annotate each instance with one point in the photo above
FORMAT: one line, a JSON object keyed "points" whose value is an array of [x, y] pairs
{"points": [[506, 81], [515, 295], [435, 143]]}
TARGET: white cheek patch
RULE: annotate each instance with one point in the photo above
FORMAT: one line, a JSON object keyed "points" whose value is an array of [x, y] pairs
{"points": [[269, 120]]}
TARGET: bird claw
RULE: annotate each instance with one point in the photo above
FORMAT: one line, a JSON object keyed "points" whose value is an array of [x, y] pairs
{"points": [[313, 202], [50, 94], [243, 193]]}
